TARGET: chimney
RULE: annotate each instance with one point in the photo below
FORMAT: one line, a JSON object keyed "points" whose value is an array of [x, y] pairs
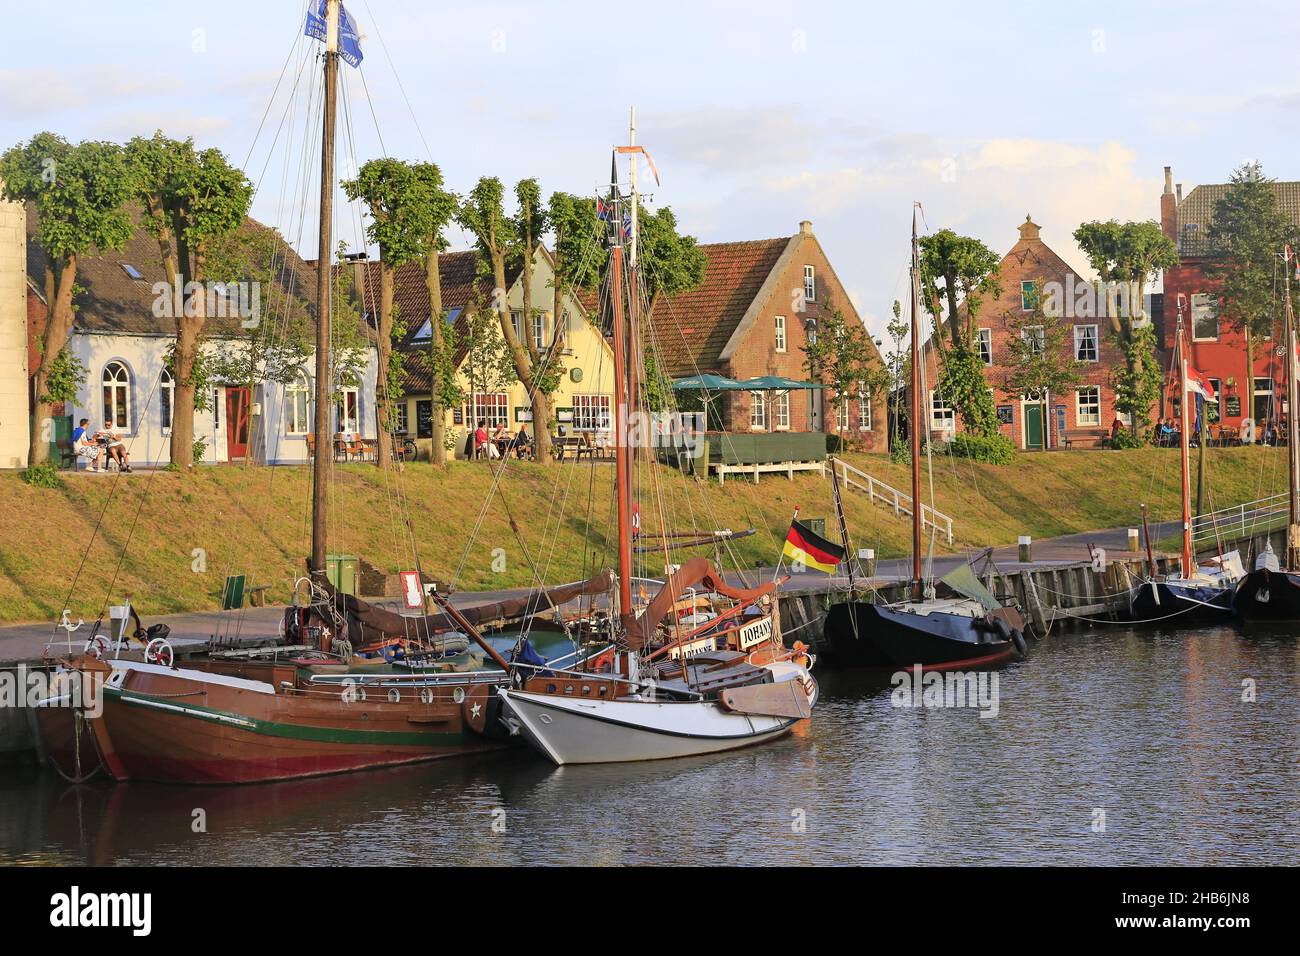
{"points": [[358, 260], [1169, 206], [1178, 191], [805, 228]]}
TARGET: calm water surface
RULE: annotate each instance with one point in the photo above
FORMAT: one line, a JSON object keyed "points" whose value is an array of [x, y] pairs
{"points": [[1148, 726]]}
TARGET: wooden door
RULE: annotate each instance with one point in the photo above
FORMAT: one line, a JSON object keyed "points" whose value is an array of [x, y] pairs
{"points": [[238, 405]]}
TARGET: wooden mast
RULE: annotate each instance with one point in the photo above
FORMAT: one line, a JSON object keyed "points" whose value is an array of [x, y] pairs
{"points": [[622, 493], [1184, 448], [321, 463], [1292, 452], [918, 585]]}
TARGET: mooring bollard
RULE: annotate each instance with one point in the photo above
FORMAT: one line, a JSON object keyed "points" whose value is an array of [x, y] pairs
{"points": [[867, 561], [1024, 549], [1133, 540]]}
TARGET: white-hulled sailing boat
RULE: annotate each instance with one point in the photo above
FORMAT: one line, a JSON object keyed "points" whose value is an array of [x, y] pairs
{"points": [[968, 629], [689, 677], [1195, 594]]}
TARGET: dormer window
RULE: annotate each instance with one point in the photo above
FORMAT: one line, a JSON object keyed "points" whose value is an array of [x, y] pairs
{"points": [[809, 284], [131, 271]]}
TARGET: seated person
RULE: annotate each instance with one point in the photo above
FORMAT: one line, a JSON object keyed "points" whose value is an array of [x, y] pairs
{"points": [[113, 447], [84, 447], [521, 443]]}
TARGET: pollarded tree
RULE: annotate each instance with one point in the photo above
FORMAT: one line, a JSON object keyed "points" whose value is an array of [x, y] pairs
{"points": [[1040, 357], [194, 201], [844, 358], [79, 194], [957, 274], [1129, 255]]}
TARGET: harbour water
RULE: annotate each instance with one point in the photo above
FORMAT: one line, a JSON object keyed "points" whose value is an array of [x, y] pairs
{"points": [[1110, 746]]}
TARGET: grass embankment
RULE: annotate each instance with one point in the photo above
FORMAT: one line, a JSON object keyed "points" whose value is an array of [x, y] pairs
{"points": [[254, 521]]}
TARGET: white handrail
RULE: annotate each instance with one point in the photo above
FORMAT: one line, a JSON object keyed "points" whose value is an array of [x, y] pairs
{"points": [[891, 497], [1239, 521]]}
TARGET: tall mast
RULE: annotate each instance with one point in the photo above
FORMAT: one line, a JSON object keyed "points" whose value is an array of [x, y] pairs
{"points": [[918, 585], [1292, 452], [634, 363], [324, 437], [619, 331], [1188, 566]]}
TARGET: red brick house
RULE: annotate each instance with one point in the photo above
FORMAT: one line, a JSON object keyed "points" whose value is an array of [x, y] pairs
{"points": [[1249, 387], [752, 315], [1080, 418]]}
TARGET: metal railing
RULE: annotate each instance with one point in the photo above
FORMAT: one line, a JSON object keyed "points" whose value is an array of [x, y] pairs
{"points": [[888, 496], [1240, 521]]}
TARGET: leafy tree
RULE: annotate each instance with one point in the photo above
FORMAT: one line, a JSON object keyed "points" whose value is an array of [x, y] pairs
{"points": [[844, 358], [194, 201], [957, 274], [671, 262], [1130, 254], [79, 194], [900, 366], [1041, 357]]}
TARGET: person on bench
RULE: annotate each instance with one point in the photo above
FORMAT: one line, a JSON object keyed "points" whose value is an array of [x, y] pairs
{"points": [[83, 447], [114, 448]]}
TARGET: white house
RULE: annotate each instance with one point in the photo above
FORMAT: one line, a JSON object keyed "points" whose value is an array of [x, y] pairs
{"points": [[123, 334]]}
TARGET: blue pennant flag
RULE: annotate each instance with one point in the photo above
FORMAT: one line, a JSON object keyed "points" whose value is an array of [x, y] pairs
{"points": [[349, 35]]}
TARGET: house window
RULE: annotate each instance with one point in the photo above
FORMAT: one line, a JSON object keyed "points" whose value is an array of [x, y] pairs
{"points": [[591, 413], [781, 411], [1263, 404], [757, 410], [864, 412], [216, 409], [166, 400], [489, 407], [399, 418], [811, 331], [1028, 295], [842, 415], [1087, 406], [986, 346], [780, 333], [1085, 343], [562, 331], [1205, 318], [515, 318], [942, 415], [296, 421], [117, 395], [347, 414], [809, 284], [1036, 338], [539, 330]]}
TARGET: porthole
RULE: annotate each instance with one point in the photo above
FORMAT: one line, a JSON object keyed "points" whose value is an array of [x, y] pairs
{"points": [[394, 696], [458, 695]]}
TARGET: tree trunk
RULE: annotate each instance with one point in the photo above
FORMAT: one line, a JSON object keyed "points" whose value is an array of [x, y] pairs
{"points": [[58, 326], [437, 361], [384, 330], [185, 356], [519, 355]]}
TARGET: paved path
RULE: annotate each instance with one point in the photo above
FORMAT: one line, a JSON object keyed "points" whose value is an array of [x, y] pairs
{"points": [[26, 642]]}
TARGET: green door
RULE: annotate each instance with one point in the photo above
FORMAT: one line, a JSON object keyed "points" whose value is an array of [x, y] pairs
{"points": [[1033, 426]]}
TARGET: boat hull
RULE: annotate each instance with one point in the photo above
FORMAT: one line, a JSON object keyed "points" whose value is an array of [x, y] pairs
{"points": [[876, 635], [1178, 602], [616, 731], [1268, 596]]}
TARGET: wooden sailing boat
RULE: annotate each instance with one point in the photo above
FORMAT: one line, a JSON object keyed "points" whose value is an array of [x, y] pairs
{"points": [[1195, 594], [308, 709], [965, 630], [1272, 592], [701, 668]]}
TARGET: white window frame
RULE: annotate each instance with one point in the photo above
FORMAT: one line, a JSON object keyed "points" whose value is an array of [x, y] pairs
{"points": [[492, 407], [116, 395], [350, 396], [297, 400], [1081, 339], [781, 412], [400, 418], [591, 413], [809, 283], [1091, 419], [757, 412], [864, 411], [216, 409], [1037, 335], [1207, 306], [539, 331], [943, 417], [778, 325], [166, 400], [984, 342]]}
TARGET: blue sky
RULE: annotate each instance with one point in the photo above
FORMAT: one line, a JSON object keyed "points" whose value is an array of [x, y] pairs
{"points": [[758, 113]]}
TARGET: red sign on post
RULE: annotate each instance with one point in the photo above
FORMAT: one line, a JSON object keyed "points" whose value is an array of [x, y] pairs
{"points": [[412, 593]]}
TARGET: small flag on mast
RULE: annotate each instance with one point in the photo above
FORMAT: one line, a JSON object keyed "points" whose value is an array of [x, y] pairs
{"points": [[1198, 384], [807, 547], [349, 36]]}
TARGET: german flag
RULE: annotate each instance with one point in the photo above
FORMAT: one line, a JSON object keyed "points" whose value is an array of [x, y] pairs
{"points": [[805, 546]]}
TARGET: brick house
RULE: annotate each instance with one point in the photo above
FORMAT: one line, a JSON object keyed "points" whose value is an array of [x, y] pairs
{"points": [[752, 315], [1250, 387], [1080, 418]]}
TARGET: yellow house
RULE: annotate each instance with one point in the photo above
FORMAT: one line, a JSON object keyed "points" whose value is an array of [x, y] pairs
{"points": [[492, 392]]}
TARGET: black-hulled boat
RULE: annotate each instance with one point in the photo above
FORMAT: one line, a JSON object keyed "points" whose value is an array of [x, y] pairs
{"points": [[965, 628], [1271, 592]]}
